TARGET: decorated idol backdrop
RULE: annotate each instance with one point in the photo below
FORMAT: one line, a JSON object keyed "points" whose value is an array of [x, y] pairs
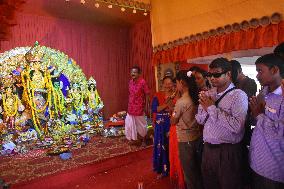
{"points": [[46, 100]]}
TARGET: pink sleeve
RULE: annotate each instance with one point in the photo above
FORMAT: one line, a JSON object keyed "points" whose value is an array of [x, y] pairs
{"points": [[146, 88]]}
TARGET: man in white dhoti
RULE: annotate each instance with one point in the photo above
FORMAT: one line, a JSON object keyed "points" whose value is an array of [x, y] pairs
{"points": [[135, 122]]}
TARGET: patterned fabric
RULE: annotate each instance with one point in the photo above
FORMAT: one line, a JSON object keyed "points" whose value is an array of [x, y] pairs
{"points": [[176, 172], [137, 93], [225, 123], [161, 140], [36, 164], [267, 143]]}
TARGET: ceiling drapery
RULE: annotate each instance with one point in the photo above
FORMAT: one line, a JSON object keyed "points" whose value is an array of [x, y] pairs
{"points": [[172, 20], [252, 38]]}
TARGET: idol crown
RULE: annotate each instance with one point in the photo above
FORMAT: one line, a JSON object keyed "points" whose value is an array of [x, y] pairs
{"points": [[35, 54], [92, 81]]}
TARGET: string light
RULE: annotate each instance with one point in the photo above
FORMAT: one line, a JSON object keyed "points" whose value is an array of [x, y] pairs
{"points": [[123, 6]]}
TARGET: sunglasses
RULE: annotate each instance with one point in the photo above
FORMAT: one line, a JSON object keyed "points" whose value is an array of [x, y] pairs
{"points": [[215, 75]]}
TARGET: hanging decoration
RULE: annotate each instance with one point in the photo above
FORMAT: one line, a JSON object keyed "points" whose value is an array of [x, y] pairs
{"points": [[124, 5], [253, 34], [236, 27]]}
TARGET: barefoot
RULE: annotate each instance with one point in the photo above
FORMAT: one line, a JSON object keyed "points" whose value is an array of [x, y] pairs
{"points": [[143, 144]]}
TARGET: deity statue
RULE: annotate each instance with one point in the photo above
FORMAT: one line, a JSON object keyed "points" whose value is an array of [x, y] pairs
{"points": [[71, 117], [23, 120], [77, 98], [37, 77], [40, 103], [11, 103], [37, 87], [95, 104]]}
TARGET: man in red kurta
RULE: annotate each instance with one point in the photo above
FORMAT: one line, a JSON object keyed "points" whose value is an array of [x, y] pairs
{"points": [[135, 121]]}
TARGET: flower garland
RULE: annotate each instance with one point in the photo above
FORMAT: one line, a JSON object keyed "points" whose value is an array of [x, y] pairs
{"points": [[30, 93], [59, 100]]}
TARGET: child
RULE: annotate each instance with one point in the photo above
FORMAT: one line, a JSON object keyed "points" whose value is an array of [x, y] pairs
{"points": [[267, 142], [188, 131]]}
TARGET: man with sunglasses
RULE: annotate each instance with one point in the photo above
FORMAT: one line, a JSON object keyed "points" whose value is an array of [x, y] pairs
{"points": [[222, 111]]}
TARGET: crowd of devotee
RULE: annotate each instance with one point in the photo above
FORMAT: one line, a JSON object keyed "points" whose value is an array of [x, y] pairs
{"points": [[213, 129]]}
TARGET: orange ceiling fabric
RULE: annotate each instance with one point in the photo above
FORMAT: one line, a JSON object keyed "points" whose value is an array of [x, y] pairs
{"points": [[172, 20], [249, 39]]}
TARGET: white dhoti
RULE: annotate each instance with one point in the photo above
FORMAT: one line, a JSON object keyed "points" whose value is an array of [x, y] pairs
{"points": [[134, 125]]}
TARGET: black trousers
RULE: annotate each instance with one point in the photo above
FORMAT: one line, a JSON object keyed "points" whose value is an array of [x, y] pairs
{"points": [[260, 182], [191, 163], [222, 166]]}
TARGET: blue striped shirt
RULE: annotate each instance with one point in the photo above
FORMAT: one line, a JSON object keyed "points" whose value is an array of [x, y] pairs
{"points": [[225, 123], [267, 142]]}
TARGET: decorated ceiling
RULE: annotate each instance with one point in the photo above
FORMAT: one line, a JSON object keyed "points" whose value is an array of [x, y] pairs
{"points": [[104, 12], [174, 20]]}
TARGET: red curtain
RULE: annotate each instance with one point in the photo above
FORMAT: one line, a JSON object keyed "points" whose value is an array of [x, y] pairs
{"points": [[250, 39], [141, 51], [102, 51], [7, 12]]}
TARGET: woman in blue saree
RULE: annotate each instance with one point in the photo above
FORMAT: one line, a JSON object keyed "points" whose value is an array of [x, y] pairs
{"points": [[162, 106]]}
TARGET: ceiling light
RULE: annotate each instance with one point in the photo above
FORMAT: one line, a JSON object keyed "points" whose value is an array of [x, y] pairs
{"points": [[83, 1], [134, 11], [97, 5], [109, 6], [122, 9]]}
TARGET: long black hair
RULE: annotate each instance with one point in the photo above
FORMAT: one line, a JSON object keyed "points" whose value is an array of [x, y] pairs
{"points": [[191, 84], [236, 69]]}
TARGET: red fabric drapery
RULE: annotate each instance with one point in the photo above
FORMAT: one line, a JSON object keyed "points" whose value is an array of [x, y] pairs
{"points": [[104, 52], [7, 13], [141, 51], [250, 39], [186, 66]]}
